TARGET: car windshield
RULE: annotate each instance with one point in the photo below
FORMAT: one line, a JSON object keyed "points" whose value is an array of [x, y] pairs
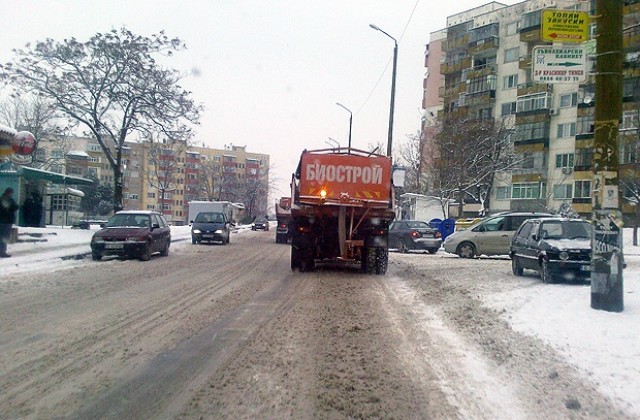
{"points": [[209, 218], [129, 220], [566, 230]]}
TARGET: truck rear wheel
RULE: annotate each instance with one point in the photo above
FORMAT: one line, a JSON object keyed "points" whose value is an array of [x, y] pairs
{"points": [[368, 260], [295, 258], [382, 260]]}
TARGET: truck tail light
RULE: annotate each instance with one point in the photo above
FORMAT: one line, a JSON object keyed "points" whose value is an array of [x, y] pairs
{"points": [[304, 229]]}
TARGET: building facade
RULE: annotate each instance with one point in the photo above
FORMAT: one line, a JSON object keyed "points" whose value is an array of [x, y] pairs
{"points": [[486, 72], [165, 177]]}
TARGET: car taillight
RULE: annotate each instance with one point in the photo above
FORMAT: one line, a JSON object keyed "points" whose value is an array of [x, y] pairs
{"points": [[415, 234], [304, 229], [282, 225]]}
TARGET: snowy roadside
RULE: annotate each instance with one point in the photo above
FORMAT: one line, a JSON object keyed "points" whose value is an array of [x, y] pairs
{"points": [[55, 247]]}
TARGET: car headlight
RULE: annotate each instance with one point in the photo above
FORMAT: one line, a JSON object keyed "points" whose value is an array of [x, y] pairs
{"points": [[219, 231], [195, 231], [97, 239], [564, 255]]}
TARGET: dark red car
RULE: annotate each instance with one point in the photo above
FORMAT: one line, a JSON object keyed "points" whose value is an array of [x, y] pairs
{"points": [[134, 234]]}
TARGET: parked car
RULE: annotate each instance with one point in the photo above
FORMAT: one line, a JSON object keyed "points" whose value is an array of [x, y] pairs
{"points": [[260, 223], [132, 234], [409, 235], [210, 227], [556, 248], [491, 236]]}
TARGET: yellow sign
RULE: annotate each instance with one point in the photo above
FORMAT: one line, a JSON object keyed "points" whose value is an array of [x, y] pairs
{"points": [[565, 25]]}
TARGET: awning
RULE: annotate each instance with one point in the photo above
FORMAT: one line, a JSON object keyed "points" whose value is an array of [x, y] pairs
{"points": [[54, 177]]}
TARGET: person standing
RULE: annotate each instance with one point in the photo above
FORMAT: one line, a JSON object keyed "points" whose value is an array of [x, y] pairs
{"points": [[8, 208]]}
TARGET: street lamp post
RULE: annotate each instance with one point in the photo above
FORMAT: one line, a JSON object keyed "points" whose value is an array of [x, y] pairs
{"points": [[393, 87], [350, 120]]}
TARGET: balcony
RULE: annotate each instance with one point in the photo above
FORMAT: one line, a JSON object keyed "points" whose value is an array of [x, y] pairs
{"points": [[455, 66], [456, 43], [452, 91], [484, 47], [478, 71], [533, 88]]}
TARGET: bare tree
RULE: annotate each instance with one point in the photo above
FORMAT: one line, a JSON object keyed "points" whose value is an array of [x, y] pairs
{"points": [[37, 116], [467, 156], [411, 155], [112, 85]]}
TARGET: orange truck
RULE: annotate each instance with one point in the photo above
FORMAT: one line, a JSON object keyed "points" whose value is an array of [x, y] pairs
{"points": [[341, 210], [283, 217]]}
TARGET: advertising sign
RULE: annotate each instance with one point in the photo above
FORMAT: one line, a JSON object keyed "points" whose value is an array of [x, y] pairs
{"points": [[565, 25], [559, 64]]}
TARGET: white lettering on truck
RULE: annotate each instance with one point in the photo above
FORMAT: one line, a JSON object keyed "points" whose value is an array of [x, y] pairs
{"points": [[344, 173]]}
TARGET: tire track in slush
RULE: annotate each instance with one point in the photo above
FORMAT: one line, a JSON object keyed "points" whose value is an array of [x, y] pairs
{"points": [[79, 356]]}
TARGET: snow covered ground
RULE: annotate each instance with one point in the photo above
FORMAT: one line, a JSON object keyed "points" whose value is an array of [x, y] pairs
{"points": [[604, 345]]}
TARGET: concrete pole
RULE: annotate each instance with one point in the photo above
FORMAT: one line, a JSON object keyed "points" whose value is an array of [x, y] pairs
{"points": [[607, 254]]}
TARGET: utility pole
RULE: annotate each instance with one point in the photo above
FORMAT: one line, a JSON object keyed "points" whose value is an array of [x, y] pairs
{"points": [[607, 254]]}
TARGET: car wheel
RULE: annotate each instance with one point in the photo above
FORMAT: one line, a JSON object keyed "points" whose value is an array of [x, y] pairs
{"points": [[165, 250], [194, 240], [466, 250], [545, 273], [432, 250], [402, 247], [96, 256], [515, 266], [146, 252]]}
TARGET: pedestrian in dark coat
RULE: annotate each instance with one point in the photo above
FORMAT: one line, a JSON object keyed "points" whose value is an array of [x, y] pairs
{"points": [[8, 208]]}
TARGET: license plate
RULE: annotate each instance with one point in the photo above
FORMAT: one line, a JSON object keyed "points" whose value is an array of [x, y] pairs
{"points": [[113, 246], [585, 268], [207, 236]]}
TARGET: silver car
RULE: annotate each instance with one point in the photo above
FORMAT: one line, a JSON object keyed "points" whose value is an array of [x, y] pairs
{"points": [[492, 236]]}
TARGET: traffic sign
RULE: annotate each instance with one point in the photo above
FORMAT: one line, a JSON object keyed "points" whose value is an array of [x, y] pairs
{"points": [[559, 64], [565, 25]]}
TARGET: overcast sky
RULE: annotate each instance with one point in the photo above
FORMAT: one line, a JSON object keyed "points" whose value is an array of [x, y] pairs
{"points": [[268, 72]]}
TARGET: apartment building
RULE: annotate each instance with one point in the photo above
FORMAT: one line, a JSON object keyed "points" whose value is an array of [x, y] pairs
{"points": [[485, 71], [165, 177]]}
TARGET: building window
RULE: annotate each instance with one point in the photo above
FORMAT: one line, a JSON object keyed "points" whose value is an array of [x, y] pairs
{"points": [[582, 189], [94, 159], [525, 191], [533, 102], [568, 100], [133, 196], [503, 193], [630, 151], [510, 82], [562, 191], [151, 195], [566, 130], [584, 124], [508, 108], [511, 55], [533, 131], [564, 160], [512, 28], [629, 120], [584, 156]]}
